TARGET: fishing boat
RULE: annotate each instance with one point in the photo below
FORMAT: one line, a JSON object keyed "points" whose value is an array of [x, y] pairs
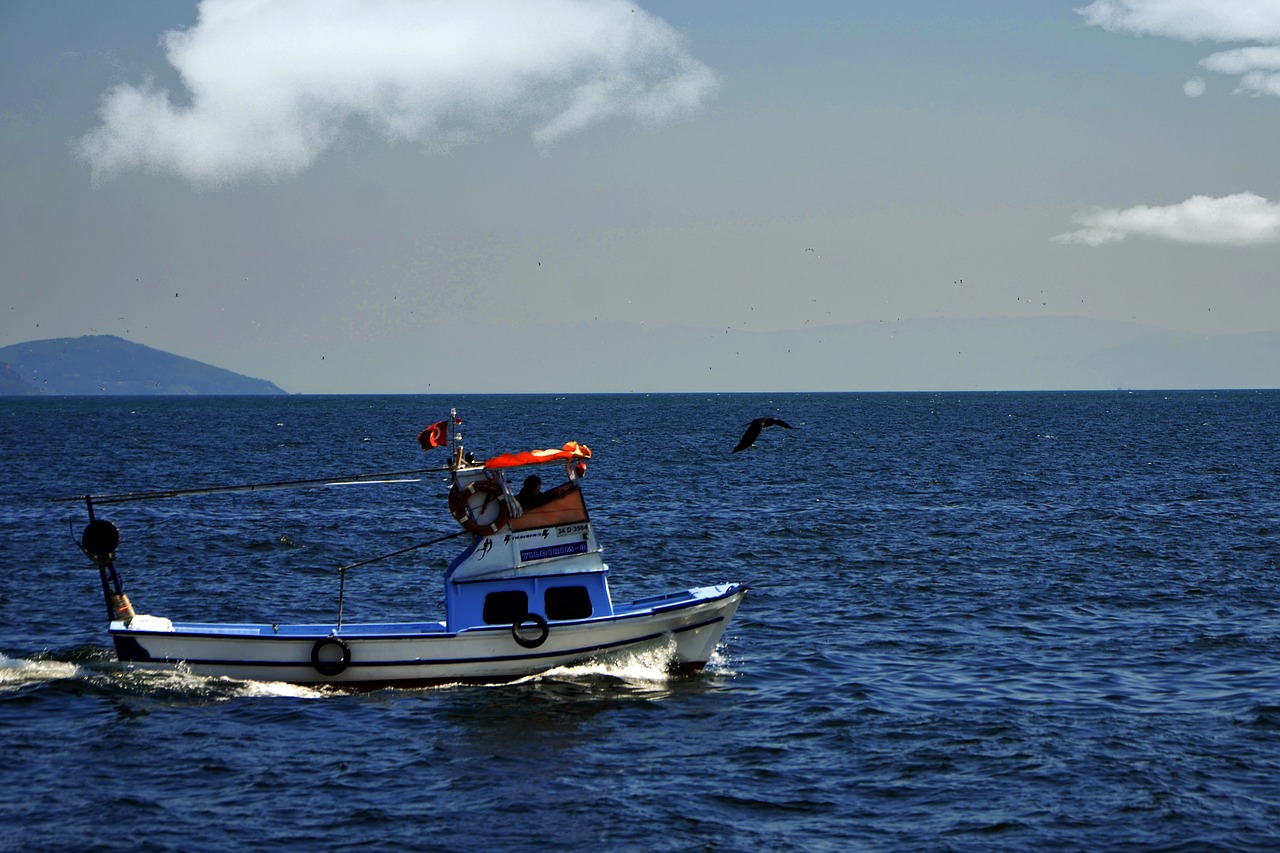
{"points": [[528, 593]]}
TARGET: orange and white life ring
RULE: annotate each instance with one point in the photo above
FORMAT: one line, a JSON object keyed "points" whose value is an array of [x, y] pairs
{"points": [[469, 511]]}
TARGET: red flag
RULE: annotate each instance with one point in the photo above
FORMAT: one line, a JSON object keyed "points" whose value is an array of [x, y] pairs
{"points": [[436, 435]]}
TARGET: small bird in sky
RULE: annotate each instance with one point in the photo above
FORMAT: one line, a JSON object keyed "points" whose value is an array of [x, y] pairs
{"points": [[753, 431]]}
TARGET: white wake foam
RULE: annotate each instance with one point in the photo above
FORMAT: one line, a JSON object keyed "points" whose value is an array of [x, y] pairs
{"points": [[648, 666], [18, 673]]}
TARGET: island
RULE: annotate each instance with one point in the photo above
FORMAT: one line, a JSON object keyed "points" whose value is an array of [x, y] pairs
{"points": [[110, 365]]}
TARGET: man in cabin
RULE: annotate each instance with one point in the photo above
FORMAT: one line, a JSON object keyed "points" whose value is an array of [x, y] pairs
{"points": [[531, 494]]}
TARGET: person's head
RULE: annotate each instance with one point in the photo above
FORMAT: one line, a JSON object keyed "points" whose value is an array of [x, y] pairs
{"points": [[532, 484]]}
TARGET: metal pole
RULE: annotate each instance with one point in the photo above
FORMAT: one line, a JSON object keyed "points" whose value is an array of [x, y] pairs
{"points": [[127, 497]]}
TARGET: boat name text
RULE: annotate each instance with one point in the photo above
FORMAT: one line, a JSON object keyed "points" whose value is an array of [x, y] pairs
{"points": [[553, 551]]}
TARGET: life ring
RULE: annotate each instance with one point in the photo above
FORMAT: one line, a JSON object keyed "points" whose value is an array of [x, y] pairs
{"points": [[460, 500], [331, 667], [543, 631]]}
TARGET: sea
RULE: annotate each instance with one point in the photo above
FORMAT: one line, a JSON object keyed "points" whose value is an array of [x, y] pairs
{"points": [[977, 621]]}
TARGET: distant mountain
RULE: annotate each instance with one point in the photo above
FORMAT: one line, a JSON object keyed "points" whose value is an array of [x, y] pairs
{"points": [[106, 364], [940, 354]]}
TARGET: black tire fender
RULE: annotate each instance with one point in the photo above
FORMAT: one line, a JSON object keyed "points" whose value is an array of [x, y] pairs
{"points": [[330, 667], [543, 631]]}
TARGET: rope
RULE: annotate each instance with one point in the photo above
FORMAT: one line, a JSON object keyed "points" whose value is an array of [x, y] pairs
{"points": [[343, 569]]}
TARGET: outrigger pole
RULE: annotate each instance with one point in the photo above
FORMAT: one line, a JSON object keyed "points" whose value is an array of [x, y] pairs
{"points": [[101, 538], [384, 477]]}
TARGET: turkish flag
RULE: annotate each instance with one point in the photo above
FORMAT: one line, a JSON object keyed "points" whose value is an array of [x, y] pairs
{"points": [[436, 435]]}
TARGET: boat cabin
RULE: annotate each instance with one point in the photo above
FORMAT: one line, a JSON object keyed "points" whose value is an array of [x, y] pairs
{"points": [[538, 564]]}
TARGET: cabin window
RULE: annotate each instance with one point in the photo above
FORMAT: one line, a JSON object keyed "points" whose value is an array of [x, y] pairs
{"points": [[568, 602], [503, 608]]}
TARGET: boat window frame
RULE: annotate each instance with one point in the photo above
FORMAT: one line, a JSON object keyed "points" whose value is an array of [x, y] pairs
{"points": [[497, 611], [566, 602]]}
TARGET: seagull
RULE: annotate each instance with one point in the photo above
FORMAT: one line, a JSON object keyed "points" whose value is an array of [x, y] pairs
{"points": [[753, 431]]}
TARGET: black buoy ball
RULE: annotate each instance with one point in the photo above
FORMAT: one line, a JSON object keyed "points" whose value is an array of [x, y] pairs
{"points": [[100, 539]]}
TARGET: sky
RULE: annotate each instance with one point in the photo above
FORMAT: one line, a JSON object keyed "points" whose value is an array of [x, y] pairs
{"points": [[377, 196]]}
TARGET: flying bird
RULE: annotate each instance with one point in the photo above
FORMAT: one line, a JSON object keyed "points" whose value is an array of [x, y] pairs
{"points": [[753, 431]]}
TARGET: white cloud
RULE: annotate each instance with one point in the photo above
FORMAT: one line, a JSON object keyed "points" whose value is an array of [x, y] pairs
{"points": [[1188, 20], [273, 84], [1243, 219], [1257, 67], [1255, 21], [1194, 87]]}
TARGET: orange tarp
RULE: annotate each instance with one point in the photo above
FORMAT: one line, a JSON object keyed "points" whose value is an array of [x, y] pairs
{"points": [[571, 450]]}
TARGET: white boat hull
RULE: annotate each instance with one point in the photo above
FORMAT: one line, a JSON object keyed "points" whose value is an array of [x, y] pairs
{"points": [[366, 656]]}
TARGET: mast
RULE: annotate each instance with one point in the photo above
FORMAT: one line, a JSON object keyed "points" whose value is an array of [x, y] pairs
{"points": [[99, 541]]}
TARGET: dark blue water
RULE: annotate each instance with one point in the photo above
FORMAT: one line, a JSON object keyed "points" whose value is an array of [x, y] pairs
{"points": [[978, 621]]}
